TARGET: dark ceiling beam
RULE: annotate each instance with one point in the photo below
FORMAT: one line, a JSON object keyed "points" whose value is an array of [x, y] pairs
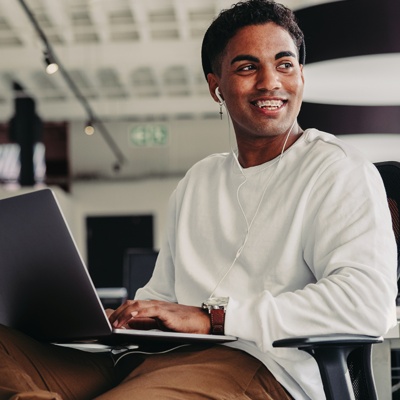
{"points": [[350, 28], [342, 119]]}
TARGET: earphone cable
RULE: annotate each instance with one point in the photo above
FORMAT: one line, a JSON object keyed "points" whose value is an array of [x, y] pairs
{"points": [[249, 226]]}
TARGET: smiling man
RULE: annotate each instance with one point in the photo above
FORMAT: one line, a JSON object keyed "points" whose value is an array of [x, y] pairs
{"points": [[262, 82], [281, 237]]}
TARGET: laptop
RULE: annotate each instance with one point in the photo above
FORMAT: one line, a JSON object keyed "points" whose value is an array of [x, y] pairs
{"points": [[45, 288]]}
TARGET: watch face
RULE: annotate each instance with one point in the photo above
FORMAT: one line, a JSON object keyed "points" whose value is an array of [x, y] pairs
{"points": [[217, 302]]}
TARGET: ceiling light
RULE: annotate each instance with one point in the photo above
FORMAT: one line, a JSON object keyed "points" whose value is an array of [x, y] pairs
{"points": [[51, 65], [89, 128]]}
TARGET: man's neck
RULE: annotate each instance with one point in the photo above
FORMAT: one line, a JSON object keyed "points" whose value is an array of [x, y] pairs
{"points": [[260, 151]]}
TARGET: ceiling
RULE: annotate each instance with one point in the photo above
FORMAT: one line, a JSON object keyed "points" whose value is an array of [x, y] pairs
{"points": [[138, 61], [130, 59]]}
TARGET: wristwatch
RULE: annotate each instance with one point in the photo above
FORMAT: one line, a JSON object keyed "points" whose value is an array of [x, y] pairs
{"points": [[216, 307]]}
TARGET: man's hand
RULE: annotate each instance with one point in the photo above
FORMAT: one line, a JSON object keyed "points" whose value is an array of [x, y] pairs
{"points": [[147, 314]]}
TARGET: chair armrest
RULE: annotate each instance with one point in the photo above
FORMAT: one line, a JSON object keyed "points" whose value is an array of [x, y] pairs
{"points": [[337, 339], [331, 353]]}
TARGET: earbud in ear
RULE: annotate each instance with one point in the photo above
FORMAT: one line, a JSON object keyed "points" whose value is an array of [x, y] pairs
{"points": [[218, 94], [221, 101]]}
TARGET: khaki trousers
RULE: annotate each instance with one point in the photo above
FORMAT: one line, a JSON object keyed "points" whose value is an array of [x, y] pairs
{"points": [[30, 370]]}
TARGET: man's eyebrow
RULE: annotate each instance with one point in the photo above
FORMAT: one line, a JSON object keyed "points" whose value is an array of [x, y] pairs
{"points": [[249, 57], [244, 57], [284, 54]]}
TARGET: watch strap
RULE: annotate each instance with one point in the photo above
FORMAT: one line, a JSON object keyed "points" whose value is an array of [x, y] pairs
{"points": [[217, 317]]}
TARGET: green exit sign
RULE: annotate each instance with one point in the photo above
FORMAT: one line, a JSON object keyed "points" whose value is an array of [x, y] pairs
{"points": [[148, 136]]}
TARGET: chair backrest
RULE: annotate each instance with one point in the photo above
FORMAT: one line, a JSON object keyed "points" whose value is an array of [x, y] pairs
{"points": [[138, 269], [359, 363], [390, 173], [359, 360], [360, 370]]}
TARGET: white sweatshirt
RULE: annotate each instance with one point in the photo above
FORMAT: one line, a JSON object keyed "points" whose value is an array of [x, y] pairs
{"points": [[320, 256]]}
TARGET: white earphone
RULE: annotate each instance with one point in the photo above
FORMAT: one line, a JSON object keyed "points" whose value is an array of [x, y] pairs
{"points": [[218, 94]]}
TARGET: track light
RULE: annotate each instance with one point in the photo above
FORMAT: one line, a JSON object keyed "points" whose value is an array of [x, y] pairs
{"points": [[51, 65], [89, 128], [50, 60]]}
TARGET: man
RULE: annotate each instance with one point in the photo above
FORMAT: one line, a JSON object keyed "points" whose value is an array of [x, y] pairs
{"points": [[291, 234]]}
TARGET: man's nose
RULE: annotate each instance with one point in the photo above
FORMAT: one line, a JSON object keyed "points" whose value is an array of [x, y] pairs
{"points": [[268, 79]]}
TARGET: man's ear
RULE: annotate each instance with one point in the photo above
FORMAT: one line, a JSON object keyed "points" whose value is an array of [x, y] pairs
{"points": [[212, 85], [302, 72]]}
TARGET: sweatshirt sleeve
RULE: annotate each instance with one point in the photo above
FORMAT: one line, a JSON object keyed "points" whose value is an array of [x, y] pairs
{"points": [[162, 283], [348, 244]]}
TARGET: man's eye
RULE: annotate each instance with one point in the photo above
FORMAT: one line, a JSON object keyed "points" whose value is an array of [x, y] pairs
{"points": [[285, 65], [246, 68]]}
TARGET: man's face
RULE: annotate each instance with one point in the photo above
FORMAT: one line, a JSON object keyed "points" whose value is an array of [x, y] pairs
{"points": [[261, 81]]}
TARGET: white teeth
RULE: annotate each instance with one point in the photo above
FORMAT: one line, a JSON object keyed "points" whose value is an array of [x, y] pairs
{"points": [[269, 104]]}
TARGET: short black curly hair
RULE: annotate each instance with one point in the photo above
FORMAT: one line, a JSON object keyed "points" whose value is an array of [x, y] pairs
{"points": [[245, 13]]}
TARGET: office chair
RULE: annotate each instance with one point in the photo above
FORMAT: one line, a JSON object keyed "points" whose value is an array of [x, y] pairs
{"points": [[139, 264], [390, 173], [344, 361]]}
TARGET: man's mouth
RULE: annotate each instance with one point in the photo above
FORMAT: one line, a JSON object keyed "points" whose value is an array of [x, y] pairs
{"points": [[269, 105]]}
